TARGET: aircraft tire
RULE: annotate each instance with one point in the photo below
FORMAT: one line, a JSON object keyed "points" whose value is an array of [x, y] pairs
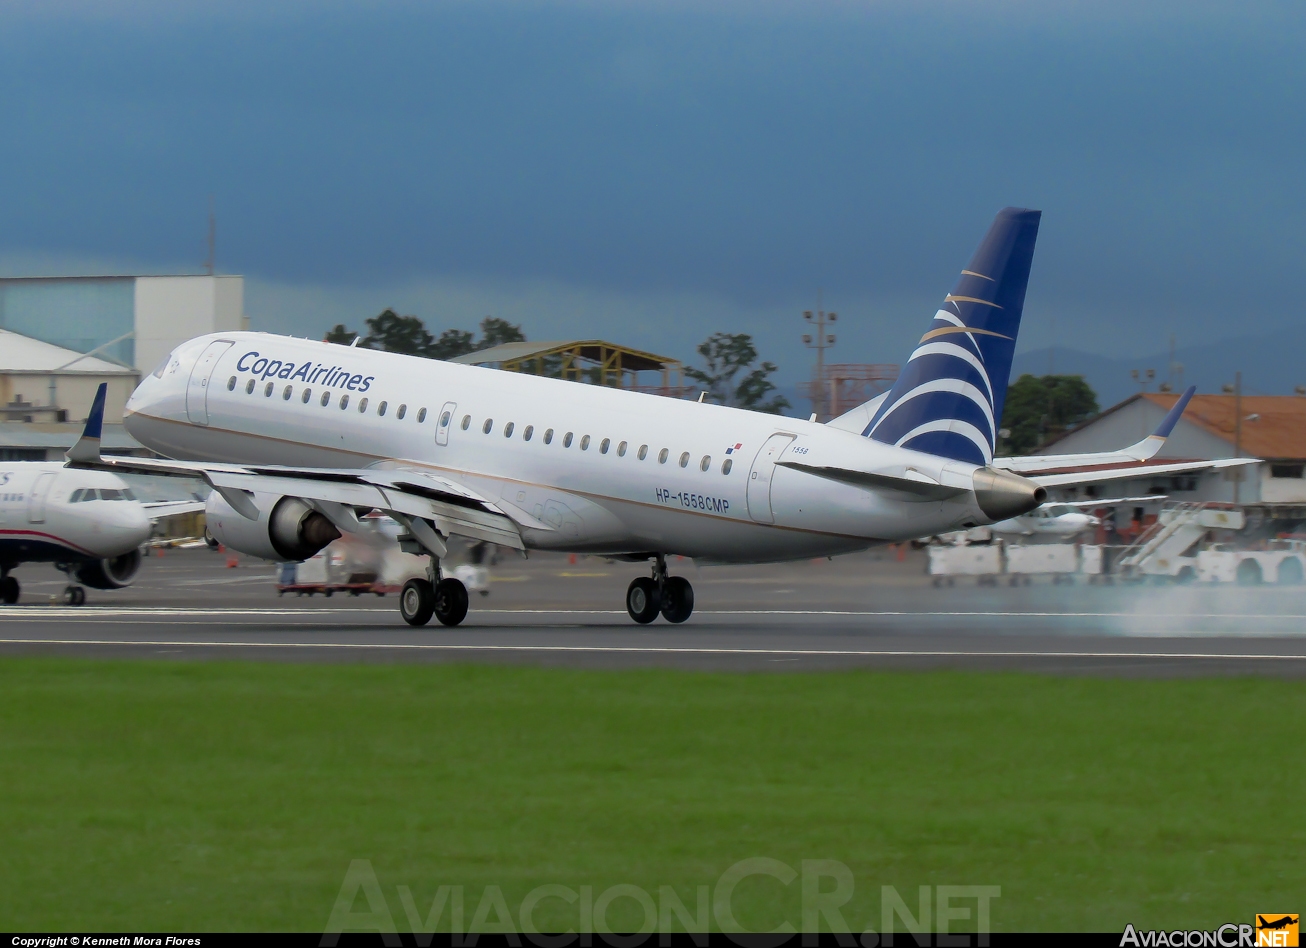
{"points": [[677, 599], [417, 602], [450, 601], [74, 596], [643, 601], [9, 590]]}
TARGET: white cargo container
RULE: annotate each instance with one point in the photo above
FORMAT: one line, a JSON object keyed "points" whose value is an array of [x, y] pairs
{"points": [[949, 561], [1058, 559]]}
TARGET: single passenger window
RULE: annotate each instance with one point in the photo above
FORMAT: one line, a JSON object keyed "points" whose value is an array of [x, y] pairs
{"points": [[726, 465], [467, 420], [267, 390], [684, 459], [326, 398], [344, 402], [662, 456], [445, 419], [643, 451], [308, 393], [362, 405], [566, 440], [249, 387], [380, 409], [290, 390], [421, 416], [621, 450], [403, 410], [704, 464], [507, 429], [585, 443], [489, 423], [548, 436], [603, 446], [526, 435], [231, 384]]}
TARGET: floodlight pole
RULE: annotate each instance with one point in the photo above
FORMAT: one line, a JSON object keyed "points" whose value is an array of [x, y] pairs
{"points": [[821, 342]]}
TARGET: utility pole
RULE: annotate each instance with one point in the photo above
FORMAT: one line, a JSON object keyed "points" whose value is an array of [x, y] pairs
{"points": [[213, 239], [820, 397]]}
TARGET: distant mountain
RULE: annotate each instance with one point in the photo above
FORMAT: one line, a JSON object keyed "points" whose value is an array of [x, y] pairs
{"points": [[1270, 364]]}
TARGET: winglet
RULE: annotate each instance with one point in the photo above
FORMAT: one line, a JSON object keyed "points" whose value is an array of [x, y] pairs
{"points": [[1170, 420], [87, 448]]}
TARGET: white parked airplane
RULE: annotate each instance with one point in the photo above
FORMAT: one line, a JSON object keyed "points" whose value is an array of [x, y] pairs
{"points": [[298, 437], [88, 523], [1064, 518]]}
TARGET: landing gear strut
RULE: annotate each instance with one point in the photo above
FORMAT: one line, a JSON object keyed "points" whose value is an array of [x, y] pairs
{"points": [[672, 596], [445, 598]]}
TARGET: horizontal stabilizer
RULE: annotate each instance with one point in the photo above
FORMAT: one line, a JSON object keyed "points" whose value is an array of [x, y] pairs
{"points": [[1076, 478]]}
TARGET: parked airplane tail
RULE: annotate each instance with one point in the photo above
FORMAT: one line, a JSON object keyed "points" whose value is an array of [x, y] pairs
{"points": [[948, 399]]}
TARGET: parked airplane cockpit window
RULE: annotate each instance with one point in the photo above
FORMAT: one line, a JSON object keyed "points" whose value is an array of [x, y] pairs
{"points": [[403, 410], [326, 398], [108, 493], [548, 436], [249, 387], [704, 464], [380, 409], [267, 390], [526, 435], [621, 450], [362, 405], [726, 465], [446, 418], [290, 390], [566, 440], [507, 429], [308, 394], [684, 459], [231, 384], [467, 420], [662, 456], [127, 494], [489, 423], [643, 451], [585, 443], [344, 402], [76, 496], [603, 446]]}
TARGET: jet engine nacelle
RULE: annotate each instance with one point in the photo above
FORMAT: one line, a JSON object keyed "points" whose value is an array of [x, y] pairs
{"points": [[287, 528], [112, 573]]}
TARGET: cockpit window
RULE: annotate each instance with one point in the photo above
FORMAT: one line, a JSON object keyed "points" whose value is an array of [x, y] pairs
{"points": [[77, 496], [109, 493], [158, 372]]}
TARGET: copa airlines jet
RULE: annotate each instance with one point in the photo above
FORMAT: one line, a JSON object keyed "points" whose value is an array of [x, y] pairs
{"points": [[298, 437], [88, 523]]}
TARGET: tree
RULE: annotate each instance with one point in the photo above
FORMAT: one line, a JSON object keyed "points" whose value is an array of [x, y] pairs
{"points": [[340, 335], [452, 343], [1038, 409], [726, 355], [495, 332], [395, 333]]}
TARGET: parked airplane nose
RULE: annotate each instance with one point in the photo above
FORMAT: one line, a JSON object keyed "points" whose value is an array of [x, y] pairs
{"points": [[1001, 494]]}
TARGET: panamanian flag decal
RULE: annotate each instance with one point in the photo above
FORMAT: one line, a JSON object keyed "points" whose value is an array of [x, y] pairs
{"points": [[734, 449]]}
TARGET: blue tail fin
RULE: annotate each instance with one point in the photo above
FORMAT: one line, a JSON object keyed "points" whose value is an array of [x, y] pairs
{"points": [[948, 399]]}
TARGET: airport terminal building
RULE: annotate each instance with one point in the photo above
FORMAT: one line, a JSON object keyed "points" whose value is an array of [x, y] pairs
{"points": [[60, 337]]}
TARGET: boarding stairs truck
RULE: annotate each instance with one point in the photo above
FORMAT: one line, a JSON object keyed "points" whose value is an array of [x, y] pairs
{"points": [[1167, 547]]}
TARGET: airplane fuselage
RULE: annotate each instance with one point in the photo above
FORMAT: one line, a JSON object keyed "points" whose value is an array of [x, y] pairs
{"points": [[49, 513], [601, 469]]}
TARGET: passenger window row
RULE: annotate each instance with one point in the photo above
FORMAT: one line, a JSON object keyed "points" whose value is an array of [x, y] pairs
{"points": [[83, 494], [604, 446], [307, 395]]}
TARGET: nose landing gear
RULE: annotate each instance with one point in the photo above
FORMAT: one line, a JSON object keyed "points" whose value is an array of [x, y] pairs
{"points": [[74, 596], [8, 590], [672, 596]]}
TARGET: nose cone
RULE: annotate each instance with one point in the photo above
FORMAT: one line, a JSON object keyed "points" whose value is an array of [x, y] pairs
{"points": [[1001, 494], [125, 528]]}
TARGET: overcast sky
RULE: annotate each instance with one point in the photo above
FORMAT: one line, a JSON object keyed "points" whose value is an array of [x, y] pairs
{"points": [[653, 172]]}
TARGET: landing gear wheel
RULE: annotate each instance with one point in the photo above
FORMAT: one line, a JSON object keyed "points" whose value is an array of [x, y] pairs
{"points": [[677, 599], [642, 600], [8, 590], [74, 595], [417, 602], [450, 601]]}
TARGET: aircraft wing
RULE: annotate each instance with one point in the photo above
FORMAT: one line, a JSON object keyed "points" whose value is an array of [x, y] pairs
{"points": [[1108, 502], [422, 501], [1142, 451], [157, 510]]}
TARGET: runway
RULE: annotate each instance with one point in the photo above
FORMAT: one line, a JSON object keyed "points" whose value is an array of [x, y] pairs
{"points": [[855, 612]]}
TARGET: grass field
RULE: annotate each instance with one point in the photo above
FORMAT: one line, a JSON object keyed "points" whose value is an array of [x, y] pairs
{"points": [[193, 796]]}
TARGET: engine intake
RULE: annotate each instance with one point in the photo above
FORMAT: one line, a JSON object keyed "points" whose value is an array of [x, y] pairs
{"points": [[290, 530], [112, 573]]}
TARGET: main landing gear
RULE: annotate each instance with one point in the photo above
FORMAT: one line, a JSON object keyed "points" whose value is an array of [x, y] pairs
{"points": [[670, 595], [74, 596], [446, 598], [8, 590]]}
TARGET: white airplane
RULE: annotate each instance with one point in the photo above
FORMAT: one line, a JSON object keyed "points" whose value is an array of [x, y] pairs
{"points": [[1063, 518], [298, 437], [88, 523]]}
